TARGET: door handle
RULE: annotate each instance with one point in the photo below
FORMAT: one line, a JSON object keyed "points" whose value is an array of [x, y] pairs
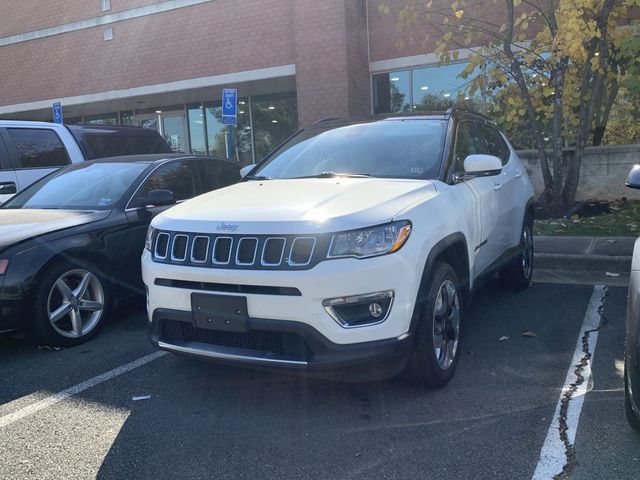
{"points": [[8, 188], [497, 186]]}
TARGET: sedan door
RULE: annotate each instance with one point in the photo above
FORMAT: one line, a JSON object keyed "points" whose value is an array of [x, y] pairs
{"points": [[8, 177], [178, 176]]}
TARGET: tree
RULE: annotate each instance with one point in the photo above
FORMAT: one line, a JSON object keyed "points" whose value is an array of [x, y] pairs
{"points": [[556, 64]]}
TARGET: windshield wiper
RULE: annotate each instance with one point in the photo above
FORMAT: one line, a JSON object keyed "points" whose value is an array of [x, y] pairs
{"points": [[334, 174], [257, 177]]}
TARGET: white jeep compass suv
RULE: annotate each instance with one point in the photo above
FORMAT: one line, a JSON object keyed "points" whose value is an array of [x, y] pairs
{"points": [[348, 252]]}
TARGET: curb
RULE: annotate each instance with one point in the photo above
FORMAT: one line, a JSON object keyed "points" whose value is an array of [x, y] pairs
{"points": [[601, 263]]}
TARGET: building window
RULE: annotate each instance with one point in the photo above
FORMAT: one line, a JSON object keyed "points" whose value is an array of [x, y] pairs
{"points": [[103, 119], [433, 88], [195, 114], [105, 5], [275, 117], [107, 34], [219, 135], [392, 92]]}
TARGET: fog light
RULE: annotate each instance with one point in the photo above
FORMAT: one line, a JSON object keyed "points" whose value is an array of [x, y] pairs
{"points": [[360, 310]]}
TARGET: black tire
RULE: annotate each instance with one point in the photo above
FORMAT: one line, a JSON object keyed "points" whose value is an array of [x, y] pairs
{"points": [[632, 416], [424, 367], [48, 296], [518, 275]]}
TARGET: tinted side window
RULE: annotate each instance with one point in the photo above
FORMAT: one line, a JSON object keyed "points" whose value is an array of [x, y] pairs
{"points": [[102, 146], [38, 147], [219, 174], [4, 156], [148, 144], [466, 145], [177, 177], [492, 143]]}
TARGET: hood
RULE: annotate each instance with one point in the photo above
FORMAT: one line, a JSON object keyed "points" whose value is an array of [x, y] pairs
{"points": [[314, 205], [22, 224]]}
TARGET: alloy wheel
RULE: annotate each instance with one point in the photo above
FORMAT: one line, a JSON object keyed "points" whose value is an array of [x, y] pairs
{"points": [[76, 303], [446, 324]]}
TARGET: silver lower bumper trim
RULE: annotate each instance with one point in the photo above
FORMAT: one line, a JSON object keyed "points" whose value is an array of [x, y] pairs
{"points": [[228, 356]]}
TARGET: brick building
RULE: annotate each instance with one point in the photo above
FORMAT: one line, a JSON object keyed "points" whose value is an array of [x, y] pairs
{"points": [[163, 63]]}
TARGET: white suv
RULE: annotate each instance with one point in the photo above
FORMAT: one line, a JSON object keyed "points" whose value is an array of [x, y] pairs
{"points": [[348, 253]]}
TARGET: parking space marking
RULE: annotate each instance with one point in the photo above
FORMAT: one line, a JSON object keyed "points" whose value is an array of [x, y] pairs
{"points": [[557, 450], [76, 389]]}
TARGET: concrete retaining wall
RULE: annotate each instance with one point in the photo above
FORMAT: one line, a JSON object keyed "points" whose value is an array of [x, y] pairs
{"points": [[603, 174]]}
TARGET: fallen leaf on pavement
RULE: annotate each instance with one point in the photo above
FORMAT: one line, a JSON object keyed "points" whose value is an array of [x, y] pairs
{"points": [[528, 333], [50, 348], [503, 338]]}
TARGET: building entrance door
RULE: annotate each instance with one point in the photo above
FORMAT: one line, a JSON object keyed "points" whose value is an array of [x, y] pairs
{"points": [[171, 125]]}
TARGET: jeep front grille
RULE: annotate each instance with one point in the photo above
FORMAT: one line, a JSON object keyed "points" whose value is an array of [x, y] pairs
{"points": [[267, 252]]}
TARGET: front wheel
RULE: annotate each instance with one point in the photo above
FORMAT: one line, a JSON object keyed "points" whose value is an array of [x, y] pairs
{"points": [[518, 275], [70, 305], [436, 344]]}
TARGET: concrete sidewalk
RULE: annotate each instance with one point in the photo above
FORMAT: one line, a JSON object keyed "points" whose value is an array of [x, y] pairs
{"points": [[588, 260]]}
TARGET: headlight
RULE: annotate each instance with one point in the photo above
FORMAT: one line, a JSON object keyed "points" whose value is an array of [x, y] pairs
{"points": [[369, 242], [151, 235]]}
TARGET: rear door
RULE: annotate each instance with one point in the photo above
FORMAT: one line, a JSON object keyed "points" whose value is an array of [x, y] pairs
{"points": [[218, 173], [8, 178], [37, 152]]}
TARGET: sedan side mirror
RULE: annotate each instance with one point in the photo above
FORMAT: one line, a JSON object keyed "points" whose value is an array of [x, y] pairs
{"points": [[159, 198], [633, 180], [480, 165], [244, 171]]}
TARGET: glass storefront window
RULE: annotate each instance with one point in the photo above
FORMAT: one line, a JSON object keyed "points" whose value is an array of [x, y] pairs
{"points": [[218, 134], [103, 119], [275, 117], [196, 129], [438, 88], [127, 118], [391, 92]]}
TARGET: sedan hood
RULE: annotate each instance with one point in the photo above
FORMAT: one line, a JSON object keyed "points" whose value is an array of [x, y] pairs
{"points": [[22, 224], [296, 205]]}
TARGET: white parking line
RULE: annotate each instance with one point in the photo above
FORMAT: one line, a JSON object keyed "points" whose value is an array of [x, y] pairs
{"points": [[76, 389], [562, 431]]}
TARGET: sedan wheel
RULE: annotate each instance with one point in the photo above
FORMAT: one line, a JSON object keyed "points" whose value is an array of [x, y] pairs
{"points": [[76, 303]]}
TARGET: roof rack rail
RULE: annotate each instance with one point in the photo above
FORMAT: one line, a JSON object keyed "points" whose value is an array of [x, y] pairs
{"points": [[326, 119]]}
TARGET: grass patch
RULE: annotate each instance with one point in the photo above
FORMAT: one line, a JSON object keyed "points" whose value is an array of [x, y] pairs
{"points": [[623, 220]]}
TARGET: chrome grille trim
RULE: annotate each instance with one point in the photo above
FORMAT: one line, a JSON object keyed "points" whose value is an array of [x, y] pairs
{"points": [[293, 246], [206, 250], [173, 246], [255, 251], [213, 251], [264, 249], [166, 250]]}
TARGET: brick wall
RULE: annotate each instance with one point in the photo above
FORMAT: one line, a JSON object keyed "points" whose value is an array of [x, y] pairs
{"points": [[214, 38]]}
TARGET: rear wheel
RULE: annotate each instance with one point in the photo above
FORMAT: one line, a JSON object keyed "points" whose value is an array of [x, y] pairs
{"points": [[436, 344], [70, 305], [632, 416], [518, 275]]}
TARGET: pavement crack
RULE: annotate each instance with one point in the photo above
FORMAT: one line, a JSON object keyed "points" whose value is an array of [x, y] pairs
{"points": [[570, 451]]}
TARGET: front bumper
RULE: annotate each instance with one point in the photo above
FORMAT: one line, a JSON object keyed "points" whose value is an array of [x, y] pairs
{"points": [[288, 346]]}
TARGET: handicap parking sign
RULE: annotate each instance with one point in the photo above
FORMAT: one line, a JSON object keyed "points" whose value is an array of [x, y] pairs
{"points": [[229, 106]]}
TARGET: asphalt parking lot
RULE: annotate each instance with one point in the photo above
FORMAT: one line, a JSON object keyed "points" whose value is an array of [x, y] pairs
{"points": [[208, 421]]}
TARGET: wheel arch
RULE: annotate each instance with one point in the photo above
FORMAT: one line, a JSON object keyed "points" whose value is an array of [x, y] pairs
{"points": [[452, 249]]}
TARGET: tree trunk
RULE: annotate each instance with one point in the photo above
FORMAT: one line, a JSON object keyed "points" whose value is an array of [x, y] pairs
{"points": [[558, 140]]}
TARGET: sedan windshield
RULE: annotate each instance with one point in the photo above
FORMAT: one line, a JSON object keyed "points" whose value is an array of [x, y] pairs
{"points": [[97, 186], [387, 148]]}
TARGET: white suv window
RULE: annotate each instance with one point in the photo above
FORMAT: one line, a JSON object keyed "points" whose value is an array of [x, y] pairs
{"points": [[38, 148]]}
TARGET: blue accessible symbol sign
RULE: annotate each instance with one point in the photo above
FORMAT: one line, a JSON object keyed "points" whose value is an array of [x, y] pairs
{"points": [[57, 112], [229, 106]]}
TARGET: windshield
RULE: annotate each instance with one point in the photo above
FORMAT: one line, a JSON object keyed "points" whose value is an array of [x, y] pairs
{"points": [[97, 186], [386, 148]]}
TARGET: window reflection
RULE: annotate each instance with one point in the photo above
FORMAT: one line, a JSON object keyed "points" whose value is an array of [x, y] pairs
{"points": [[391, 92], [196, 129], [218, 136], [275, 118]]}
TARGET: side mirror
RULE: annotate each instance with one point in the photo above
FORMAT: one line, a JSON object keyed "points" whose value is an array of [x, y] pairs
{"points": [[159, 198], [244, 171], [481, 165], [633, 180]]}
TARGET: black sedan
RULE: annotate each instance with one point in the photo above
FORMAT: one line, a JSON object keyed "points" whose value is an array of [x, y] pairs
{"points": [[70, 244]]}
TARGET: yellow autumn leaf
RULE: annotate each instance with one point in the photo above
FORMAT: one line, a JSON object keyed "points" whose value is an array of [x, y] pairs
{"points": [[459, 13]]}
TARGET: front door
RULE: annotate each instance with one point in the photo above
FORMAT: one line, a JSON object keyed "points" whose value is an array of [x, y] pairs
{"points": [[174, 130]]}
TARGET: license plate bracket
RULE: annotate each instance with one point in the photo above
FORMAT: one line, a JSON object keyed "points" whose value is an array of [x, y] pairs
{"points": [[226, 313]]}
